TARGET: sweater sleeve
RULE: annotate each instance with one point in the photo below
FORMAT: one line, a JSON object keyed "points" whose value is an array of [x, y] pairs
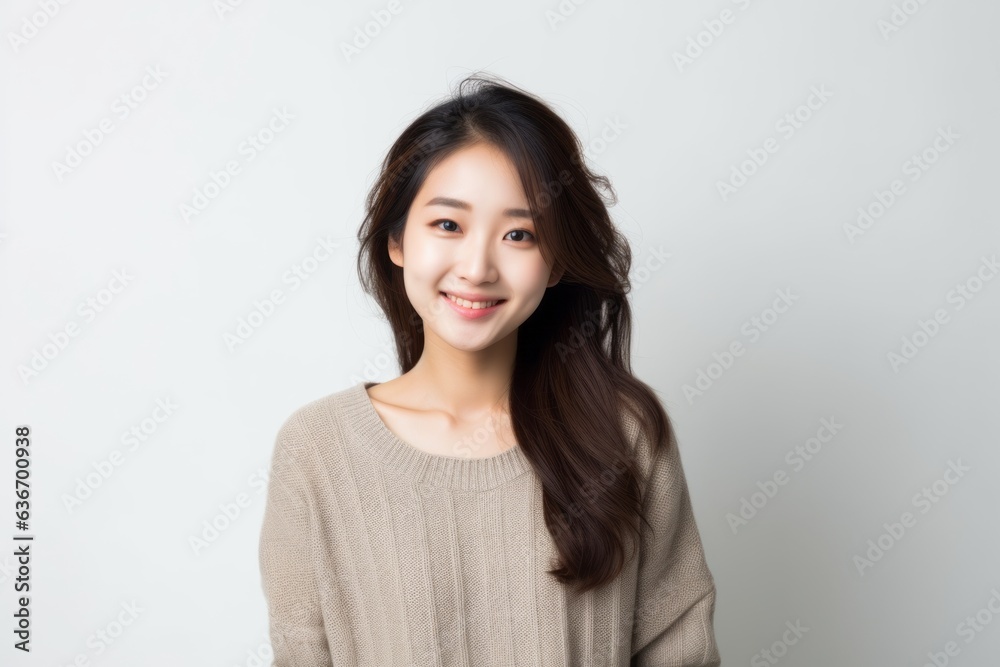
{"points": [[286, 566], [675, 591]]}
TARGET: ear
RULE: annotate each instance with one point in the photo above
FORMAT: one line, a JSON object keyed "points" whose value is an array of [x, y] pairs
{"points": [[395, 252], [555, 277]]}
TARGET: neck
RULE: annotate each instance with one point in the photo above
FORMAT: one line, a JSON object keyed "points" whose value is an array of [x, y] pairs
{"points": [[465, 383]]}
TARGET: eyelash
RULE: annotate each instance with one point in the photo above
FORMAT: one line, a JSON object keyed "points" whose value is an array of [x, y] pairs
{"points": [[437, 224]]}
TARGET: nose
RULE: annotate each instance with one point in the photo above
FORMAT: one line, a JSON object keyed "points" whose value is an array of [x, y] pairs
{"points": [[475, 261]]}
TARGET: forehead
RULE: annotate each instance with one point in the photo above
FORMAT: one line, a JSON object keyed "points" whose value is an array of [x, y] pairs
{"points": [[481, 175]]}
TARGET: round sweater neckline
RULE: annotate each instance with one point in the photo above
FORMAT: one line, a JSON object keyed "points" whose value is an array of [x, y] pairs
{"points": [[454, 472]]}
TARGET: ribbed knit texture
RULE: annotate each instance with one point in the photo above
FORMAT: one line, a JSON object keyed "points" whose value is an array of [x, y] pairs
{"points": [[374, 553]]}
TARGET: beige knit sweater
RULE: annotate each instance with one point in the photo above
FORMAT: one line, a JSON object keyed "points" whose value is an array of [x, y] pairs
{"points": [[374, 553]]}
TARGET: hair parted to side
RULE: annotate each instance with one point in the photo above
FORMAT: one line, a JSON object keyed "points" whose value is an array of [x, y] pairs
{"points": [[572, 378]]}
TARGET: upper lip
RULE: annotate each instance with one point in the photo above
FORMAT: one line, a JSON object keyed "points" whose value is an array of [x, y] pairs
{"points": [[472, 297]]}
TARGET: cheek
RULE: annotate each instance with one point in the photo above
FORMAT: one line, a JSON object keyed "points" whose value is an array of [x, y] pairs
{"points": [[424, 261], [531, 279]]}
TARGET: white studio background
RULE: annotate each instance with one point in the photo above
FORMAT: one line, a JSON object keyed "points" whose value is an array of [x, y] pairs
{"points": [[869, 373]]}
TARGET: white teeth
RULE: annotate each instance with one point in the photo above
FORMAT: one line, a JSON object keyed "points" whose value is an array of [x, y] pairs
{"points": [[472, 304]]}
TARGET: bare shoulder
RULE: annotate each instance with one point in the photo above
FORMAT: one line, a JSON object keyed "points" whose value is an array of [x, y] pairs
{"points": [[391, 393]]}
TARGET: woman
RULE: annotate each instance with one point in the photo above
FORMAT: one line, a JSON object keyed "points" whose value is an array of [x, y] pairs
{"points": [[516, 496]]}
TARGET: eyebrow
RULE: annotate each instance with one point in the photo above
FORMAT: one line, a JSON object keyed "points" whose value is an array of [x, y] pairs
{"points": [[466, 206]]}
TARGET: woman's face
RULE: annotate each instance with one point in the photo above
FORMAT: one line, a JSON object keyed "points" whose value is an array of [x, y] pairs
{"points": [[469, 233]]}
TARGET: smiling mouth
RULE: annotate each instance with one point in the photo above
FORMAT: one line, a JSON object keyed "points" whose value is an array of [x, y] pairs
{"points": [[476, 305]]}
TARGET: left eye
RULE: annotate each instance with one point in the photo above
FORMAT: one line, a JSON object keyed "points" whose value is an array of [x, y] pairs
{"points": [[521, 231]]}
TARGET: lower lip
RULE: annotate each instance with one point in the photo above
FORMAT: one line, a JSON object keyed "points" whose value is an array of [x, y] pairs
{"points": [[471, 313]]}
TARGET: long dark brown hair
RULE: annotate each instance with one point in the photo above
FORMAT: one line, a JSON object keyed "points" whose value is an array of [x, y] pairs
{"points": [[572, 378]]}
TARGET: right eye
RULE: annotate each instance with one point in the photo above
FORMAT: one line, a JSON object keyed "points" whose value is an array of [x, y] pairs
{"points": [[440, 222]]}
